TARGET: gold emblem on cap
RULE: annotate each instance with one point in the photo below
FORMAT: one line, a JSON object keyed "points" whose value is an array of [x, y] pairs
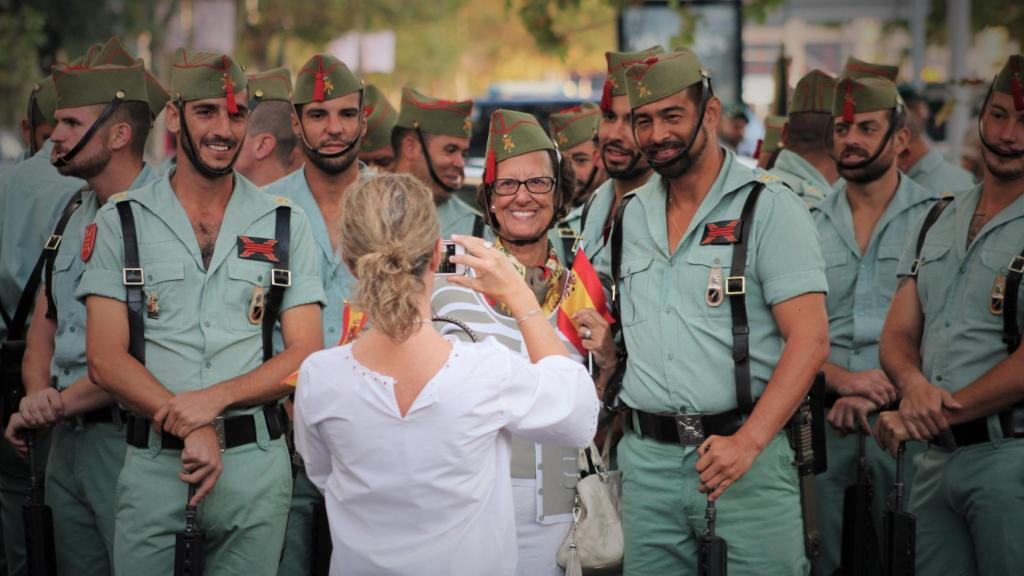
{"points": [[644, 90], [562, 140], [328, 86], [506, 141], [259, 93], [226, 78], [467, 124], [120, 94]]}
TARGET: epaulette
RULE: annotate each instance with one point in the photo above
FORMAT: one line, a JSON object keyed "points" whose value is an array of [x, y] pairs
{"points": [[282, 201], [118, 197], [767, 178]]}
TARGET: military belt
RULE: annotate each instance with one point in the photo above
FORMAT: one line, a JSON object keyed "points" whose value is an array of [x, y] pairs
{"points": [[976, 431], [231, 432], [682, 429], [103, 415]]}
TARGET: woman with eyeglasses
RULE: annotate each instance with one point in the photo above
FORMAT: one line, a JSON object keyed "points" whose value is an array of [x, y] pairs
{"points": [[522, 197]]}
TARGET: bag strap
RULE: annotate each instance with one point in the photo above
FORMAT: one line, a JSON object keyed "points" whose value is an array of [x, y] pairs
{"points": [[736, 289], [134, 279], [1011, 331], [929, 221], [17, 325], [280, 278], [51, 246]]}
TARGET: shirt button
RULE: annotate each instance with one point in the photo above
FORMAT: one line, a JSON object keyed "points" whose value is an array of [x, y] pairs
{"points": [[963, 269], [72, 329], [209, 365], [67, 371], [855, 352], [671, 356], [540, 466], [938, 378], [948, 324], [541, 491], [331, 330], [259, 278], [207, 323]]}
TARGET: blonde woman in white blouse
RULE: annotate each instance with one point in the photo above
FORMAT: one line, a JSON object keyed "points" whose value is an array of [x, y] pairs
{"points": [[406, 432]]}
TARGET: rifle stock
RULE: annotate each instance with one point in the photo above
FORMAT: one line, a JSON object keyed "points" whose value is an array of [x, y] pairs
{"points": [[712, 550], [860, 543], [40, 550], [900, 529], [189, 556]]}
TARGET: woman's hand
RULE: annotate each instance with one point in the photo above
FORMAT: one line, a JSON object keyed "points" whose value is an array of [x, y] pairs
{"points": [[494, 275]]}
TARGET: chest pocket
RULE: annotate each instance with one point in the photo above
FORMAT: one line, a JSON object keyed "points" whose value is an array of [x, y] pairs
{"points": [[62, 269], [888, 264], [838, 272], [931, 275], [707, 268], [164, 299], [246, 295], [636, 293]]}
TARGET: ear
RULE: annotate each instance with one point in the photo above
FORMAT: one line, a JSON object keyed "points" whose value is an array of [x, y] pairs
{"points": [[265, 145], [900, 140], [435, 259], [713, 114], [410, 147], [171, 118], [119, 136], [296, 128]]}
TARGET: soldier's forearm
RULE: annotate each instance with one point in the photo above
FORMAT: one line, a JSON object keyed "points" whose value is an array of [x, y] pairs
{"points": [[265, 383], [121, 375], [1000, 388], [84, 396], [35, 365], [901, 360]]}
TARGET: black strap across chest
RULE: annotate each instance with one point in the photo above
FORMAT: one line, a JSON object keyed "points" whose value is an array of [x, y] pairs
{"points": [[134, 279], [929, 221], [735, 288], [1011, 330], [51, 248]]}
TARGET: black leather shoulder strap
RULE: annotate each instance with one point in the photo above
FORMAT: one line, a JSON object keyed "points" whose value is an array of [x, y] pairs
{"points": [[616, 256], [929, 221], [134, 279], [51, 247], [280, 278], [1011, 330], [736, 290]]}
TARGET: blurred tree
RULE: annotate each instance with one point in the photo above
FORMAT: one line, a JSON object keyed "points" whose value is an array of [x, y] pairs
{"points": [[22, 28], [984, 14]]}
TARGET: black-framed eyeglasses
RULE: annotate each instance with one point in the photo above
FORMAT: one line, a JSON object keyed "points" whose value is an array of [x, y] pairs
{"points": [[510, 186]]}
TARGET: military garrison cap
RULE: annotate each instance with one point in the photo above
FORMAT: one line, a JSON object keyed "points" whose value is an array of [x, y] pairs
{"points": [[814, 93], [574, 126], [113, 52], [860, 95], [380, 119], [275, 84], [1010, 80], [663, 75], [324, 77], [772, 141], [618, 62], [87, 85], [44, 95], [435, 116], [200, 75], [512, 134], [860, 69]]}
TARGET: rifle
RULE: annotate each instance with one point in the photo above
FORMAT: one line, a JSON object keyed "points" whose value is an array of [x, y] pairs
{"points": [[806, 434], [11, 388], [712, 551], [188, 546], [899, 529], [40, 551], [860, 543], [322, 545]]}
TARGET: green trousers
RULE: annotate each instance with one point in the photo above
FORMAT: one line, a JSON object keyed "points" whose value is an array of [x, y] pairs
{"points": [[243, 518], [969, 506], [297, 557], [663, 513], [14, 488], [81, 477], [842, 472]]}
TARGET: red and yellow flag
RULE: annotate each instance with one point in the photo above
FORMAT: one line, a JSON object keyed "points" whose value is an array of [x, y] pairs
{"points": [[582, 291], [353, 321]]}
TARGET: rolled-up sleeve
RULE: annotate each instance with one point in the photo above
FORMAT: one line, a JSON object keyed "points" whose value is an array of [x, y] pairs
{"points": [[104, 268]]}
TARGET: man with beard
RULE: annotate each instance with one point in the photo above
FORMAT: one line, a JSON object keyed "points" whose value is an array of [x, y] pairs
{"points": [[430, 140], [103, 119], [626, 167], [184, 280], [687, 242], [804, 163], [920, 160], [574, 132], [268, 151], [376, 152], [329, 117], [862, 226], [951, 344]]}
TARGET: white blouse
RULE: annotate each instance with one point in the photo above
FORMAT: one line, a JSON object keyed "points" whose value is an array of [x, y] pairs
{"points": [[431, 493]]}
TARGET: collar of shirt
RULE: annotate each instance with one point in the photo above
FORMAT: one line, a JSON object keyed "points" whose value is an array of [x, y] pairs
{"points": [[966, 203], [296, 187], [793, 163], [930, 161]]}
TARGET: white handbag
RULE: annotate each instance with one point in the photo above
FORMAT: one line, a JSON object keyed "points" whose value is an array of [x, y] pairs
{"points": [[594, 544]]}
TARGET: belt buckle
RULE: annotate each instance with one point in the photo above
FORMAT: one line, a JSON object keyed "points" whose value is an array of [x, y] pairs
{"points": [[279, 277], [735, 285], [132, 276], [218, 429], [53, 242], [1017, 265], [691, 429]]}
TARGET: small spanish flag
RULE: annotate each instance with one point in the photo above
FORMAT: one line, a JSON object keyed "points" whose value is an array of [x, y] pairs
{"points": [[583, 291], [353, 321]]}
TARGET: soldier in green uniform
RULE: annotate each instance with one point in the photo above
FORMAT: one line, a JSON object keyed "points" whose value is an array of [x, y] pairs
{"points": [[268, 151], [329, 111], [177, 331], [768, 148], [430, 140], [574, 132], [38, 122], [32, 196], [862, 226], [87, 442], [626, 167], [693, 431], [951, 345], [381, 116], [920, 160], [804, 164]]}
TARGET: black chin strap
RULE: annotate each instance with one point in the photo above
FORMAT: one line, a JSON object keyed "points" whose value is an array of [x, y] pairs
{"points": [[430, 163], [65, 158], [190, 151], [348, 147], [705, 95], [590, 181], [32, 123], [981, 133], [896, 112]]}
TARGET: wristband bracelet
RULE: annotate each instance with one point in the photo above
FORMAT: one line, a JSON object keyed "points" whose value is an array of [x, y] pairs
{"points": [[530, 314]]}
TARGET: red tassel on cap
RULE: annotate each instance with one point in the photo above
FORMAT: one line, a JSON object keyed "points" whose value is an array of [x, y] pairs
{"points": [[490, 168], [606, 96], [848, 103], [757, 151], [368, 110], [1018, 93], [651, 60], [229, 88], [318, 87]]}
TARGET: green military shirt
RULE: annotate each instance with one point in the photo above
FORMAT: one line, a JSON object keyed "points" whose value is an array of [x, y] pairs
{"points": [[801, 177], [202, 333], [32, 196], [334, 275], [934, 173], [456, 218], [860, 287], [680, 346], [598, 214], [962, 337], [68, 364]]}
